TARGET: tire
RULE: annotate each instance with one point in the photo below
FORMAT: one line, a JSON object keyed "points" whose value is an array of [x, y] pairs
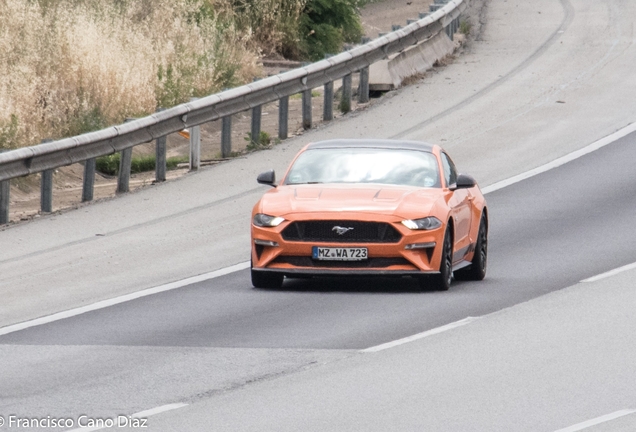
{"points": [[477, 269], [442, 281], [266, 280]]}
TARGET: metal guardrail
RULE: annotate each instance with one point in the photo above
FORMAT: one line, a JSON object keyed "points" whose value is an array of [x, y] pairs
{"points": [[44, 158]]}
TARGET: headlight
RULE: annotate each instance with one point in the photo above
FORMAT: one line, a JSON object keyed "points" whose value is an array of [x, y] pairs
{"points": [[263, 220], [427, 223]]}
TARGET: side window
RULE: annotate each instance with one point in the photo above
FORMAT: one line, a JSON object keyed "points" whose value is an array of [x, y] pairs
{"points": [[450, 173]]}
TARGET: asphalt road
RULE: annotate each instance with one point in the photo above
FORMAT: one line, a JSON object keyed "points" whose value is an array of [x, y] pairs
{"points": [[547, 233], [549, 77], [543, 79]]}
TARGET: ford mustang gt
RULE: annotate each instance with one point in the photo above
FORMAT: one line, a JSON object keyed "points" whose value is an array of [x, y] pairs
{"points": [[370, 207]]}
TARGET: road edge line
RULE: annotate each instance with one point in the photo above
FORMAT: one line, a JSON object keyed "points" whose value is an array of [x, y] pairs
{"points": [[122, 299], [621, 133], [597, 420], [610, 273], [419, 336], [140, 414]]}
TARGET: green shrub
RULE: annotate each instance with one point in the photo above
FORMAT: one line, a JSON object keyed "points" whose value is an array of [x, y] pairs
{"points": [[142, 164], [344, 106], [465, 27], [326, 24], [263, 142], [171, 163], [109, 165]]}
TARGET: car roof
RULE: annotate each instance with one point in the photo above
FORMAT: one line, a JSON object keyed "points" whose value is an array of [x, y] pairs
{"points": [[372, 143]]}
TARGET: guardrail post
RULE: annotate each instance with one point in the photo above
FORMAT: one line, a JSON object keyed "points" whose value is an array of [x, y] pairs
{"points": [[46, 191], [89, 180], [5, 191], [46, 188], [125, 162], [256, 125], [306, 109], [195, 145], [195, 148], [345, 103], [283, 117], [363, 90], [160, 156], [327, 109], [123, 178], [226, 136]]}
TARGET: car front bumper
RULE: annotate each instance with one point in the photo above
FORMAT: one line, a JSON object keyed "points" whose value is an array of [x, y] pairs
{"points": [[416, 253]]}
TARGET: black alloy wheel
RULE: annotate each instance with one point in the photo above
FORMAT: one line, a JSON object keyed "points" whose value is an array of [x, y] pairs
{"points": [[442, 281], [477, 269]]}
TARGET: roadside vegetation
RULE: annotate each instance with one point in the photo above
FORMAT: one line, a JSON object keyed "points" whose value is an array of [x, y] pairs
{"points": [[74, 66], [109, 165]]}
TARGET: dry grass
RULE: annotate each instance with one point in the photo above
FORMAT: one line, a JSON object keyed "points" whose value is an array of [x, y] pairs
{"points": [[272, 23], [71, 66]]}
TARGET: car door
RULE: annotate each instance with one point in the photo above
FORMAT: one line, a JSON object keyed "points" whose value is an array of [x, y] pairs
{"points": [[460, 204]]}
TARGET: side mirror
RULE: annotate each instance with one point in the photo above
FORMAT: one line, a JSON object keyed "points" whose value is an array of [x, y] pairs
{"points": [[464, 182], [267, 178]]}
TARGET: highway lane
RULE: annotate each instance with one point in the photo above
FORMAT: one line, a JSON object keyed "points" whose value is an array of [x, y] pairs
{"points": [[562, 362], [207, 339], [547, 233], [541, 94]]}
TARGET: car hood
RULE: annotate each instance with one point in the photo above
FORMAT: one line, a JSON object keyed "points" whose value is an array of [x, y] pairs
{"points": [[401, 201]]}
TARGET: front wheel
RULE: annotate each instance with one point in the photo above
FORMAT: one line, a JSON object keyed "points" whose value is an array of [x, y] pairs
{"points": [[477, 269]]}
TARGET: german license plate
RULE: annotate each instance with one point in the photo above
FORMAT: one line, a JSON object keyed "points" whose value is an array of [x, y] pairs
{"points": [[339, 254]]}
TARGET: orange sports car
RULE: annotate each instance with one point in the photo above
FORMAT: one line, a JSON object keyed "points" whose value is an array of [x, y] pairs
{"points": [[370, 207]]}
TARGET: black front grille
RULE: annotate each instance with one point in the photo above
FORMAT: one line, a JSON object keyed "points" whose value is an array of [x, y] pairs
{"points": [[303, 261], [338, 231]]}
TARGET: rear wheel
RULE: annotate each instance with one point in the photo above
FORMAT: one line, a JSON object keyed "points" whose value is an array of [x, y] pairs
{"points": [[477, 269], [266, 280], [442, 281]]}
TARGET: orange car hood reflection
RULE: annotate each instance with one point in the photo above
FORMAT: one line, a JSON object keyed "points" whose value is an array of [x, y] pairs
{"points": [[400, 201]]}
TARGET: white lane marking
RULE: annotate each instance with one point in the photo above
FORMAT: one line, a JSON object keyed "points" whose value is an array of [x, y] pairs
{"points": [[122, 299], [562, 160], [422, 335], [597, 420], [139, 415], [159, 410], [611, 273]]}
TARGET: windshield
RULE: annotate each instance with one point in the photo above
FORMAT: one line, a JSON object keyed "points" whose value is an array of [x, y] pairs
{"points": [[365, 165]]}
